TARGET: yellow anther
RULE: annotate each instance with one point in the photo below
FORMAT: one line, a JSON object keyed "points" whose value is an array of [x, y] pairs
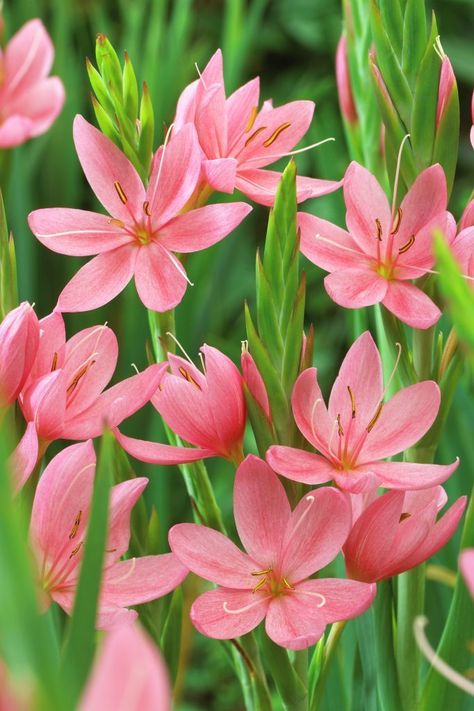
{"points": [[340, 430], [55, 361], [378, 224], [374, 419], [407, 246], [287, 584], [120, 192], [116, 223], [259, 585], [76, 525], [396, 222], [80, 374], [252, 117], [353, 402], [262, 572], [275, 134], [146, 208], [403, 517], [76, 550], [254, 135], [187, 376]]}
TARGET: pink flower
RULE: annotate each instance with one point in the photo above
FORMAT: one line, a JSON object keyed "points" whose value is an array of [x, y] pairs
{"points": [[58, 530], [207, 410], [358, 429], [30, 100], [145, 227], [398, 531], [129, 673], [463, 250], [238, 140], [343, 80], [64, 395], [19, 338], [466, 564], [284, 548], [382, 251], [254, 382]]}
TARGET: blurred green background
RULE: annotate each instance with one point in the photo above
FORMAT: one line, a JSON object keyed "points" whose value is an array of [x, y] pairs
{"points": [[291, 45]]}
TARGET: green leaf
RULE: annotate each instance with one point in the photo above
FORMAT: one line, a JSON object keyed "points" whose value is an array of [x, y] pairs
{"points": [[262, 429], [147, 130], [171, 636], [392, 17], [130, 89], [80, 639], [8, 280], [414, 38], [423, 123]]}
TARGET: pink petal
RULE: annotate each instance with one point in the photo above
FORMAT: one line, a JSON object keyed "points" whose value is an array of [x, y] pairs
{"points": [[203, 227], [109, 172], [128, 669], [310, 411], [220, 173], [212, 556], [15, 130], [64, 489], [356, 287], [41, 104], [19, 341], [344, 599], [294, 621], [254, 382], [225, 613], [299, 465], [406, 475], [211, 121], [186, 106], [261, 510], [213, 72], [160, 277], [467, 219], [463, 250], [28, 57], [52, 339], [411, 305], [99, 281], [466, 565], [426, 199], [261, 185], [109, 617], [123, 498], [361, 480], [403, 421], [174, 176], [46, 405], [361, 372], [239, 108], [139, 580], [315, 533], [366, 202], [413, 263], [327, 245], [114, 405], [24, 458], [156, 453], [76, 232]]}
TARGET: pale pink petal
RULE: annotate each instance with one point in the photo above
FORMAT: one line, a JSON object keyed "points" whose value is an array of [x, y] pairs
{"points": [[114, 405], [361, 480], [366, 202], [15, 130], [28, 56], [411, 305], [110, 174], [186, 106], [327, 245], [426, 199], [294, 621], [315, 533], [46, 405], [344, 599], [261, 510], [220, 173], [160, 277], [19, 341], [213, 72], [174, 176], [404, 419], [407, 476], [355, 288], [129, 673], [24, 457], [466, 564], [413, 263], [299, 465], [123, 497], [467, 219], [41, 104], [254, 382], [203, 227], [76, 232], [99, 281], [109, 617], [224, 613], [240, 107], [211, 121], [261, 185], [157, 453], [139, 580], [212, 556], [463, 250], [310, 411]]}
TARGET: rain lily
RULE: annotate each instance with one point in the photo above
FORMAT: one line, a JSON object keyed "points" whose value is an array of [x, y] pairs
{"points": [[383, 250], [30, 100], [129, 673], [19, 338], [145, 226], [238, 140], [58, 529], [466, 564], [207, 410], [358, 429], [272, 579], [63, 397], [398, 531]]}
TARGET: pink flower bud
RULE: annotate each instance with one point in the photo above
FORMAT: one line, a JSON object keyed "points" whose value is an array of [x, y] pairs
{"points": [[343, 80], [447, 82], [19, 338], [254, 382]]}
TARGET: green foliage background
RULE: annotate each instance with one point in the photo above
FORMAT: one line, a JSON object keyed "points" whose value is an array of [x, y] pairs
{"points": [[291, 45]]}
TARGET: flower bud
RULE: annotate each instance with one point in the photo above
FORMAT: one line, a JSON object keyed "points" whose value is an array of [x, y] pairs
{"points": [[343, 80], [19, 339]]}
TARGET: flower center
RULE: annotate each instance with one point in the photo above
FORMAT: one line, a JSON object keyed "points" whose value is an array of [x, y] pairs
{"points": [[271, 583], [386, 262]]}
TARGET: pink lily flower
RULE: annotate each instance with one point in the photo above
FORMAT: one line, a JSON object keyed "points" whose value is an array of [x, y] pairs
{"points": [[64, 395], [358, 429], [238, 140], [19, 339], [398, 531], [58, 528], [466, 565], [271, 580], [383, 250], [30, 100], [145, 227], [207, 410], [129, 673]]}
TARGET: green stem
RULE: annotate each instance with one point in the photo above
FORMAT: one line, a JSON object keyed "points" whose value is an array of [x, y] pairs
{"points": [[331, 645], [293, 693], [410, 603], [387, 681]]}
